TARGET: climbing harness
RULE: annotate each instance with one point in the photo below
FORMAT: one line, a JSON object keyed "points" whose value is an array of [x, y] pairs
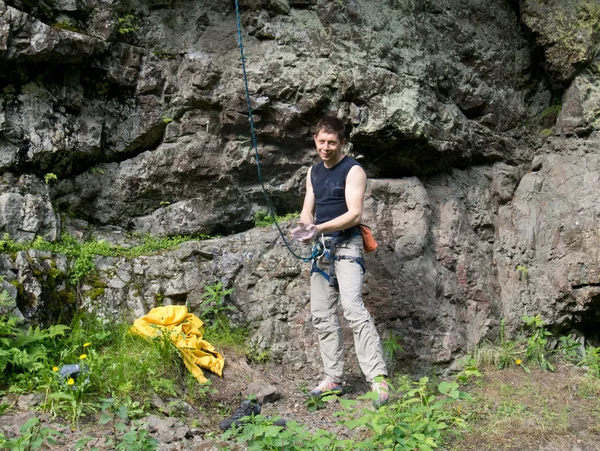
{"points": [[321, 249], [327, 251]]}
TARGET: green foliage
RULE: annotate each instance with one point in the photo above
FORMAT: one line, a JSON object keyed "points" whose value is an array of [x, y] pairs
{"points": [[534, 345], [259, 433], [167, 120], [314, 403], [256, 354], [591, 360], [50, 177], [32, 436], [417, 418], [22, 351], [546, 132], [536, 351], [118, 364], [553, 110], [213, 305], [125, 436], [524, 272], [391, 348], [70, 404], [263, 218], [82, 254], [122, 366], [126, 24], [163, 386], [469, 371], [214, 313]]}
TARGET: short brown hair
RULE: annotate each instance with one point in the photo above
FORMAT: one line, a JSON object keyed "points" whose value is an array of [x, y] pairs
{"points": [[330, 124]]}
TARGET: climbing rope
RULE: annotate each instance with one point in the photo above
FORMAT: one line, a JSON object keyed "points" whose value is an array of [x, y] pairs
{"points": [[252, 128]]}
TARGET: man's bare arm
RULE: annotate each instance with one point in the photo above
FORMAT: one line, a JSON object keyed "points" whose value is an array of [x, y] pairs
{"points": [[307, 216]]}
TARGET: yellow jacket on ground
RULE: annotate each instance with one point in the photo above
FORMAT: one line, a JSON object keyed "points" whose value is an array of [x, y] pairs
{"points": [[184, 330]]}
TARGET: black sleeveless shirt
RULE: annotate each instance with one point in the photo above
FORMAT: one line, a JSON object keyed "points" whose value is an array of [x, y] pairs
{"points": [[329, 188]]}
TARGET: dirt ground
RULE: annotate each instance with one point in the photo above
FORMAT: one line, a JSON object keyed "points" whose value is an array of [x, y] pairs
{"points": [[541, 411], [512, 410]]}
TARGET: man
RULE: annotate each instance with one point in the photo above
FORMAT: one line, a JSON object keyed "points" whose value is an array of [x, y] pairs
{"points": [[332, 211]]}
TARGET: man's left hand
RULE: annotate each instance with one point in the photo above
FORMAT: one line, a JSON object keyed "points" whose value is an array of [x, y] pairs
{"points": [[304, 233], [311, 232]]}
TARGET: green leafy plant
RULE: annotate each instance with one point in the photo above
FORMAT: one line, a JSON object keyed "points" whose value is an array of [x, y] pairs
{"points": [[22, 351], [534, 345], [32, 436], [50, 177], [126, 24], [537, 349], [213, 305], [314, 403], [167, 120], [591, 360], [255, 353], [214, 312], [570, 349], [127, 437], [391, 348], [416, 418], [66, 396], [524, 272], [469, 370], [260, 433]]}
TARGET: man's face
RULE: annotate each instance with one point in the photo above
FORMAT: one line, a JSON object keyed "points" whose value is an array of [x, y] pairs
{"points": [[329, 146]]}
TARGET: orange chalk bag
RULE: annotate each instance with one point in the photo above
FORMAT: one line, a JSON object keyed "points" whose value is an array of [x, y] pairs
{"points": [[369, 243]]}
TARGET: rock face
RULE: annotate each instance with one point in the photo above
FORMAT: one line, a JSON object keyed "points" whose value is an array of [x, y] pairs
{"points": [[476, 120]]}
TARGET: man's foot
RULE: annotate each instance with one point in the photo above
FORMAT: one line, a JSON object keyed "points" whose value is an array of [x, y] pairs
{"points": [[246, 409], [326, 386], [380, 386]]}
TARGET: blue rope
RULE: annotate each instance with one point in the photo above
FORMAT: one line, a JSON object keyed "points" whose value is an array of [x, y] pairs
{"points": [[251, 119]]}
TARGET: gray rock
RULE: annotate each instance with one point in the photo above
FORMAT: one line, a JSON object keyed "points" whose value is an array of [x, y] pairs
{"points": [[264, 392], [29, 401], [26, 211], [147, 131]]}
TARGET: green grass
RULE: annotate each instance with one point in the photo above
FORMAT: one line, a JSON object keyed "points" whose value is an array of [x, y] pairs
{"points": [[122, 369], [263, 218], [83, 253]]}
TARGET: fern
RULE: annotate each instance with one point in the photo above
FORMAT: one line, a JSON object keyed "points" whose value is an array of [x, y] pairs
{"points": [[22, 350]]}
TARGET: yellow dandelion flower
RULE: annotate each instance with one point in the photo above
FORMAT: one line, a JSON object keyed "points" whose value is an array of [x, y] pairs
{"points": [[55, 369], [85, 345], [83, 356], [518, 361], [70, 381]]}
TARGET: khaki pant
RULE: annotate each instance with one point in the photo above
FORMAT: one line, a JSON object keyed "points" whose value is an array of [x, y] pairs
{"points": [[323, 306]]}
